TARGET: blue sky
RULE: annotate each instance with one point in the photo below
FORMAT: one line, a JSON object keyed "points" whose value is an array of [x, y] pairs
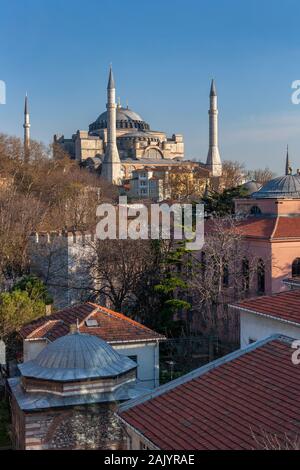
{"points": [[164, 54]]}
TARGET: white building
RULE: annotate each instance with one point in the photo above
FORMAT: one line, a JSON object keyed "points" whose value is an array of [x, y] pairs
{"points": [[263, 316], [148, 183], [127, 336]]}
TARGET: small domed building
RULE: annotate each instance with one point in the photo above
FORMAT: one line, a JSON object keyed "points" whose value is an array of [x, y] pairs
{"points": [[66, 397]]}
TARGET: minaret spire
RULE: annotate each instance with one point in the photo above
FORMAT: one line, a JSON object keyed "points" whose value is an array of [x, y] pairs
{"points": [[111, 81], [213, 91], [213, 161], [288, 168], [26, 127], [111, 166]]}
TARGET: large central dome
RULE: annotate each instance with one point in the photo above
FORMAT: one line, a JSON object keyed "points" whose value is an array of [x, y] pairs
{"points": [[77, 356], [125, 119]]}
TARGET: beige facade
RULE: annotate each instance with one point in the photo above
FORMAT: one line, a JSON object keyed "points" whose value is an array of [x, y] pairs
{"points": [[120, 138], [178, 181], [136, 143]]}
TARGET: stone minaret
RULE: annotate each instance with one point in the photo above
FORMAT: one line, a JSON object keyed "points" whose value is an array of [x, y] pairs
{"points": [[26, 126], [111, 166], [213, 161]]}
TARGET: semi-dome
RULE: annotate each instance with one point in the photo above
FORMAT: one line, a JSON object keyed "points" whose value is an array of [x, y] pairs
{"points": [[125, 119], [287, 186], [77, 356]]}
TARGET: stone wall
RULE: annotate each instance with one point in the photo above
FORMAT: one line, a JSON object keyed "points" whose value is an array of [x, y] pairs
{"points": [[17, 425], [81, 427], [61, 260]]}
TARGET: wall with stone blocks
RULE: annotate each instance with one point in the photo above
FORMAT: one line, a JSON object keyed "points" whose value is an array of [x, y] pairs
{"points": [[61, 260], [80, 427]]}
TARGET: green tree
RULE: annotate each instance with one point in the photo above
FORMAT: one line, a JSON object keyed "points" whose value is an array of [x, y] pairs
{"points": [[222, 204], [35, 289], [173, 290], [16, 309], [157, 294]]}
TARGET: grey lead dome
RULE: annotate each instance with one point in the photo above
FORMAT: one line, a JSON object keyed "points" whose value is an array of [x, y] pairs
{"points": [[125, 119], [75, 357], [287, 186], [251, 187]]}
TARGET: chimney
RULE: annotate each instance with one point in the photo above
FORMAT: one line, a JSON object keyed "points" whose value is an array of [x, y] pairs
{"points": [[73, 328], [48, 309]]}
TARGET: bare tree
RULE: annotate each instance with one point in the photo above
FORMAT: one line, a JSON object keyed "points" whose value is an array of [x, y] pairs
{"points": [[233, 174], [18, 218], [186, 185], [44, 193], [271, 441], [117, 268], [261, 175], [221, 273]]}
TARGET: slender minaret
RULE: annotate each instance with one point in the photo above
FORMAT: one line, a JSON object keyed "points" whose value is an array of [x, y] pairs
{"points": [[288, 168], [213, 161], [111, 166], [26, 126]]}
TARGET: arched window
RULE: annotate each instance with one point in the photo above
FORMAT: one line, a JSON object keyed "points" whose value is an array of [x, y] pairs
{"points": [[255, 210], [152, 153], [260, 277], [225, 275], [246, 275], [296, 268]]}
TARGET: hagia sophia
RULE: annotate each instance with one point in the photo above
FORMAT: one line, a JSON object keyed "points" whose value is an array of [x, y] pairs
{"points": [[120, 141], [135, 140]]}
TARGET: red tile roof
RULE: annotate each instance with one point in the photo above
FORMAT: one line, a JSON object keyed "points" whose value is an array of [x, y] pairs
{"points": [[284, 306], [225, 404], [257, 227], [113, 327], [271, 228], [287, 227]]}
